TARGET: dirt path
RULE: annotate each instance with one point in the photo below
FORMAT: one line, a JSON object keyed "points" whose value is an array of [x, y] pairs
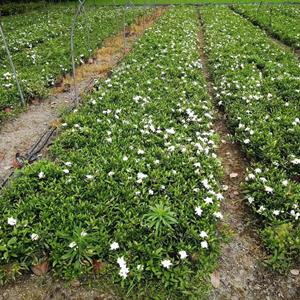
{"points": [[241, 274], [18, 135]]}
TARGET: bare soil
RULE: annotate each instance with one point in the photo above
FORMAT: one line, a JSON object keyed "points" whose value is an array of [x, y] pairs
{"points": [[241, 273], [18, 135]]}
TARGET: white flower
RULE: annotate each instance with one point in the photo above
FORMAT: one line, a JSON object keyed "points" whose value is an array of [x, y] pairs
{"points": [[11, 221], [257, 170], [66, 171], [263, 179], [204, 244], [285, 182], [141, 176], [183, 254], [218, 215], [276, 212], [123, 272], [125, 158], [41, 175], [268, 189], [219, 196], [89, 176], [170, 130], [151, 192], [34, 237], [111, 173], [203, 234], [114, 246], [261, 209], [205, 183], [72, 245], [198, 211], [246, 141], [121, 262], [250, 200], [83, 234], [140, 267], [140, 151], [208, 200], [251, 176], [295, 161], [166, 263]]}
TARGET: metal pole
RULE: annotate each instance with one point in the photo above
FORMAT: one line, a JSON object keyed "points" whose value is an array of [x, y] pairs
{"points": [[12, 65], [124, 28], [81, 3]]}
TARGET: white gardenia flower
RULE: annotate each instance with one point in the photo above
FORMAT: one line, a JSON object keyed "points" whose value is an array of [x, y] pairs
{"points": [[204, 244], [11, 221], [140, 151], [83, 234], [34, 237], [141, 176], [205, 183], [285, 182], [121, 261], [208, 200], [182, 254], [66, 171], [72, 245], [246, 141], [125, 158], [218, 215], [41, 175], [296, 161], [268, 189], [250, 200], [203, 234], [114, 246], [166, 263], [276, 212], [124, 272], [220, 196], [89, 176], [251, 176], [170, 130], [257, 170], [198, 211]]}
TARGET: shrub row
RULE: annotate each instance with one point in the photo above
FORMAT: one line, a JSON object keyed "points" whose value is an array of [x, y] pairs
{"points": [[257, 84], [44, 60], [132, 189], [282, 21]]}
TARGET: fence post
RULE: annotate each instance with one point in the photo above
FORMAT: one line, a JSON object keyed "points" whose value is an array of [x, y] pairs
{"points": [[12, 65]]}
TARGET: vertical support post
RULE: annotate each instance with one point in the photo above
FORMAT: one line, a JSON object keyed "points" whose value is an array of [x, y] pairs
{"points": [[81, 3], [124, 27], [12, 65]]}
